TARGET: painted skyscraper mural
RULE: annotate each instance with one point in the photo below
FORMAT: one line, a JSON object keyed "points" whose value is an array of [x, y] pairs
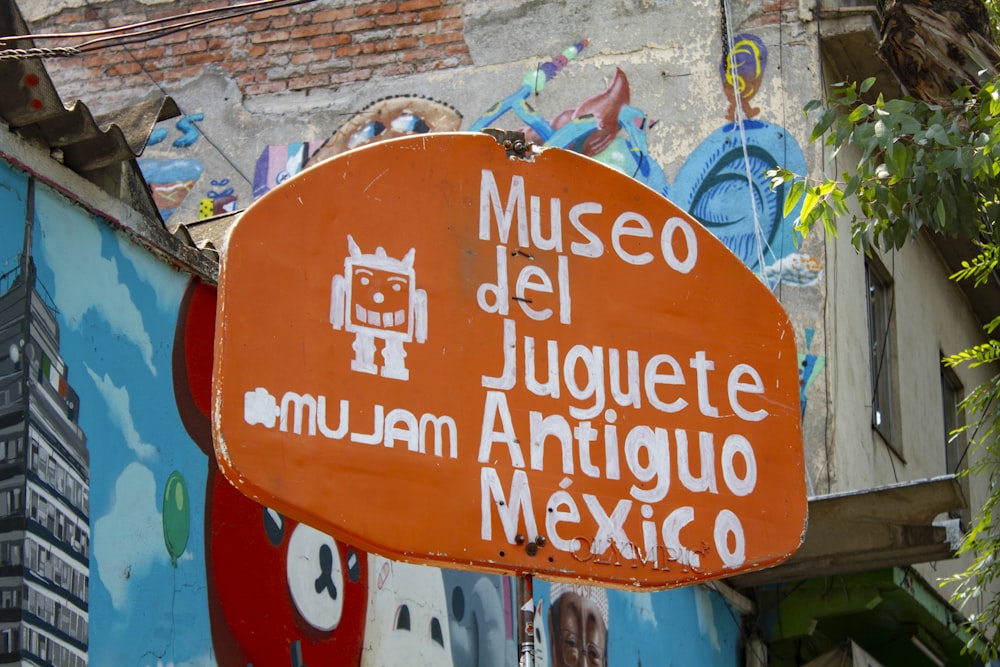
{"points": [[44, 480]]}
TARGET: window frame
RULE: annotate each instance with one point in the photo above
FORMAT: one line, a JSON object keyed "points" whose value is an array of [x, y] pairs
{"points": [[955, 444], [880, 308]]}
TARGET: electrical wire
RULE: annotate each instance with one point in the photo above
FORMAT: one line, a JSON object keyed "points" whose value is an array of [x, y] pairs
{"points": [[729, 47], [144, 31], [244, 9], [971, 440]]}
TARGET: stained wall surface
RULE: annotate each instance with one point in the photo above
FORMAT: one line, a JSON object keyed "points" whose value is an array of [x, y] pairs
{"points": [[645, 86]]}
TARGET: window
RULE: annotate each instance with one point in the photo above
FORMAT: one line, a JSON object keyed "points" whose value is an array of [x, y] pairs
{"points": [[955, 450], [880, 349]]}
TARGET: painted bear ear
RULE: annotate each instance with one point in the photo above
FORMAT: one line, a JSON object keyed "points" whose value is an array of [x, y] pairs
{"points": [[194, 341]]}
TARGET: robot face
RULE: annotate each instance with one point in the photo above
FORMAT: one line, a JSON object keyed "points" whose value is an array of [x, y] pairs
{"points": [[380, 299]]}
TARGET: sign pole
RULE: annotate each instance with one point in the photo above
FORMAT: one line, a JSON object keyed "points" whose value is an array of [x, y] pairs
{"points": [[526, 622]]}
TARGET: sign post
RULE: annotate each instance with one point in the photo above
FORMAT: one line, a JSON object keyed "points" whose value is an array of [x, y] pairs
{"points": [[448, 354]]}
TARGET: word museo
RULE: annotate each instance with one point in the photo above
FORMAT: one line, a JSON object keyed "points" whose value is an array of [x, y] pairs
{"points": [[678, 245]]}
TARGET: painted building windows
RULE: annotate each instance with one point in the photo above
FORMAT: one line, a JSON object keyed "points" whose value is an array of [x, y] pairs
{"points": [[881, 352], [10, 552], [10, 502], [11, 450]]}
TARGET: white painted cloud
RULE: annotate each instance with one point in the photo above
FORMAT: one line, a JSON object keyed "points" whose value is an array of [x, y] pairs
{"points": [[84, 280], [706, 617], [167, 283], [204, 660], [119, 409], [642, 605], [128, 540]]}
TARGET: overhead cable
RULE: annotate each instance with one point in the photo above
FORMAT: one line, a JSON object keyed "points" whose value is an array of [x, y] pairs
{"points": [[136, 32]]}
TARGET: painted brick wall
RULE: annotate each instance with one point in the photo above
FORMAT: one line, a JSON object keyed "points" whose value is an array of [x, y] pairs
{"points": [[299, 48]]}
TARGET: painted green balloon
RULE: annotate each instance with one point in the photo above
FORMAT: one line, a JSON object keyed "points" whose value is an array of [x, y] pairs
{"points": [[176, 516]]}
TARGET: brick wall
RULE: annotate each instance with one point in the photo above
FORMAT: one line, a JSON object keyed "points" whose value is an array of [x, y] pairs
{"points": [[299, 48]]}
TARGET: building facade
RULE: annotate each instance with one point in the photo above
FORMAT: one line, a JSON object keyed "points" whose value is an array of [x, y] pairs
{"points": [[696, 100]]}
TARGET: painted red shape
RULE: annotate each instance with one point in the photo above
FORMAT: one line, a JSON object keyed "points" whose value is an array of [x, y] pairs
{"points": [[254, 615]]}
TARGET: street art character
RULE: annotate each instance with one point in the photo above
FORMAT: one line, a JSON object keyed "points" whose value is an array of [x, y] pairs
{"points": [[742, 70], [377, 298], [480, 614], [407, 616], [723, 183], [578, 626], [297, 597], [388, 118], [603, 126]]}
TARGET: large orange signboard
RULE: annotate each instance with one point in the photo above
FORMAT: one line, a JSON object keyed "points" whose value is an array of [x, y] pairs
{"points": [[447, 355]]}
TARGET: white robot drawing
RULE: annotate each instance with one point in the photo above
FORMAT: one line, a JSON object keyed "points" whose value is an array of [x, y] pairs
{"points": [[377, 298]]}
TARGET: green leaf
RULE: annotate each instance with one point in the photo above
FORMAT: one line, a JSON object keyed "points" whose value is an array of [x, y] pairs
{"points": [[867, 84], [793, 197], [860, 111], [808, 204], [825, 121], [852, 186]]}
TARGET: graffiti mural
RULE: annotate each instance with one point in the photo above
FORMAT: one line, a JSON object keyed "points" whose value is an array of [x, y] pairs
{"points": [[109, 571], [586, 625], [279, 162], [387, 118], [217, 202], [604, 126], [723, 183], [173, 178], [173, 565]]}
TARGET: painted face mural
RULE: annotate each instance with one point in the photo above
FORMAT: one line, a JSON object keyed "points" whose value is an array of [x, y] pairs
{"points": [[280, 592], [388, 118], [578, 626]]}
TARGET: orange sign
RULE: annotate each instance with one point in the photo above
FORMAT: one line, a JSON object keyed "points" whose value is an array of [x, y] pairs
{"points": [[445, 355]]}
